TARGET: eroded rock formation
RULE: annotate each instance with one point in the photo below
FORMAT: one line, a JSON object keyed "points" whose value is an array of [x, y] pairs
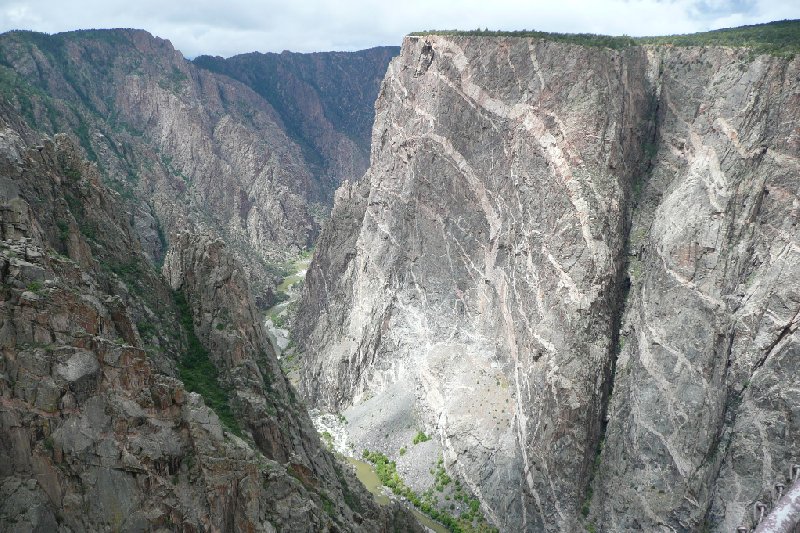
{"points": [[325, 100], [188, 147]]}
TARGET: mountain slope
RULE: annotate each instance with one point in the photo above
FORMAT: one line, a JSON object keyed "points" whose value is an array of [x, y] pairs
{"points": [[325, 100], [188, 147], [138, 388]]}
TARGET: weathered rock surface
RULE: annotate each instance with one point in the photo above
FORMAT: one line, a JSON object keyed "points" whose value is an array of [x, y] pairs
{"points": [[482, 263], [97, 433]]}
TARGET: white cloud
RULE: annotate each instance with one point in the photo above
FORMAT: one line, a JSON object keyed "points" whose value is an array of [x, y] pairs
{"points": [[237, 26]]}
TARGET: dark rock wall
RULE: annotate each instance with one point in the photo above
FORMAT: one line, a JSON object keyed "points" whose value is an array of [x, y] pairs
{"points": [[326, 101]]}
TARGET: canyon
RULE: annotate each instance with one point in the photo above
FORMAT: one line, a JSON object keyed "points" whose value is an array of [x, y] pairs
{"points": [[185, 146], [139, 389], [553, 284]]}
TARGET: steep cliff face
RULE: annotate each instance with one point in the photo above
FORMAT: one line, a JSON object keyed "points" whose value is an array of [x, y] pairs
{"points": [[704, 418], [325, 100], [491, 228], [188, 147], [97, 430], [474, 281]]}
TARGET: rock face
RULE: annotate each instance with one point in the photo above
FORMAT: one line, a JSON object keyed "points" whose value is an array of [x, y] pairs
{"points": [[325, 100], [704, 418], [97, 431], [545, 223], [187, 147]]}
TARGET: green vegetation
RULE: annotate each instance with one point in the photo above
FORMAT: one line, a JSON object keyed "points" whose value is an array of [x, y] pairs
{"points": [[327, 505], [587, 503], [29, 98], [81, 131], [470, 521], [349, 498], [146, 329], [35, 287], [79, 213], [278, 319], [636, 268], [288, 282], [781, 38], [197, 371], [290, 274], [124, 190], [402, 451], [130, 273], [278, 270], [440, 475], [72, 173], [650, 150], [63, 231], [328, 439], [174, 82], [421, 437]]}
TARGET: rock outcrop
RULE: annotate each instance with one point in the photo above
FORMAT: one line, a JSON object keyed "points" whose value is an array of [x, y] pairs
{"points": [[97, 430], [562, 249], [704, 417]]}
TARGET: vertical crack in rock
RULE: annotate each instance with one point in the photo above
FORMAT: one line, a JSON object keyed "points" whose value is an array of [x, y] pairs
{"points": [[695, 435], [790, 328]]}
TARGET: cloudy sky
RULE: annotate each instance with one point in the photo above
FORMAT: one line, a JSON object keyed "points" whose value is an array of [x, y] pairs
{"points": [[228, 27]]}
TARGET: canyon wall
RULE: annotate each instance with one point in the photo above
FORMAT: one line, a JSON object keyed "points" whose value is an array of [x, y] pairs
{"points": [[573, 266], [325, 99], [98, 353], [138, 389], [704, 418]]}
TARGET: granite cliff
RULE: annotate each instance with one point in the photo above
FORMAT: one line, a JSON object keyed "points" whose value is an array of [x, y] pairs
{"points": [[576, 268], [562, 297], [138, 389]]}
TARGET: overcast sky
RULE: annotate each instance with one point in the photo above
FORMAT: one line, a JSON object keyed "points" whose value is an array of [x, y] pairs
{"points": [[228, 27]]}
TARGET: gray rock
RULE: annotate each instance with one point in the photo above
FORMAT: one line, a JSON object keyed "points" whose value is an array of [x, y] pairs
{"points": [[79, 366]]}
